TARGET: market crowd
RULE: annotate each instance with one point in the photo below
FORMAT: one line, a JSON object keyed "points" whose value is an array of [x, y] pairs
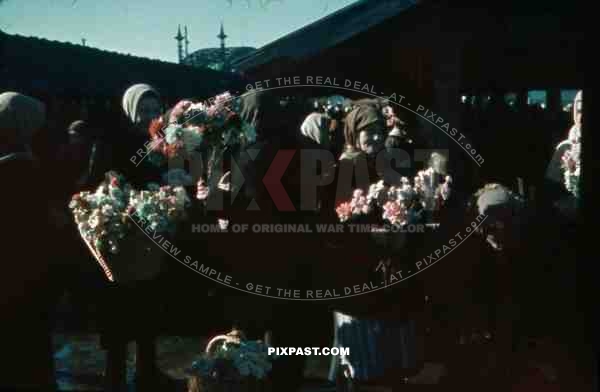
{"points": [[477, 290]]}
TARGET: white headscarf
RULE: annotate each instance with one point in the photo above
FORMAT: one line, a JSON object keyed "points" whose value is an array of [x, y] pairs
{"points": [[132, 97], [315, 127], [21, 116], [554, 170], [577, 102]]}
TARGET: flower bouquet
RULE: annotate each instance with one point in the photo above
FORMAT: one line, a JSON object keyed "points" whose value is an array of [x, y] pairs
{"points": [[119, 224], [206, 129], [398, 205], [571, 164], [388, 213], [231, 363]]}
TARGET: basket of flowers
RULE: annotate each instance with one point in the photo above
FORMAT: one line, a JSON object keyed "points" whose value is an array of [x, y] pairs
{"points": [[125, 229], [388, 210], [230, 363]]}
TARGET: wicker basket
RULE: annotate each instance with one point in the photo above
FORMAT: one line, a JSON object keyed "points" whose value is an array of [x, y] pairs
{"points": [[139, 259], [237, 384]]}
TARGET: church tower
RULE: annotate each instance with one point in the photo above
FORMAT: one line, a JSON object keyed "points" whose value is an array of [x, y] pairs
{"points": [[224, 58], [179, 38]]}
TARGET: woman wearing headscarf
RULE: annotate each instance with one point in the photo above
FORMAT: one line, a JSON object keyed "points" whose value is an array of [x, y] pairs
{"points": [[128, 142], [499, 254], [131, 310], [274, 264], [363, 131], [315, 129], [555, 188], [318, 149], [373, 327], [25, 291]]}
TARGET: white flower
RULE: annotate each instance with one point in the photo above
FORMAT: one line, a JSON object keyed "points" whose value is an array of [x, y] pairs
{"points": [[172, 133], [223, 224], [196, 107]]}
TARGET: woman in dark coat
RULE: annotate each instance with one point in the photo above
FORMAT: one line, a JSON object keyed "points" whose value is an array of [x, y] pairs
{"points": [[25, 290], [132, 310], [272, 263], [378, 336]]}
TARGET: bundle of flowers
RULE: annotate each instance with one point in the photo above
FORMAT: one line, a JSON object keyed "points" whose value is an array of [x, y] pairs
{"points": [[160, 207], [105, 217], [398, 205], [191, 125], [232, 361], [101, 216], [571, 164]]}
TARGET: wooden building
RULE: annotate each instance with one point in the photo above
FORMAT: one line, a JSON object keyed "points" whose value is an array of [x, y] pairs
{"points": [[434, 52], [48, 68]]}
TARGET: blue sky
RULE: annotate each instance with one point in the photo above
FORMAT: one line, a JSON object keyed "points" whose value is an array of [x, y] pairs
{"points": [[147, 27]]}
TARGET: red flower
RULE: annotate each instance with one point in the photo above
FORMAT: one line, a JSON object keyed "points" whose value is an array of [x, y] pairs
{"points": [[156, 129]]}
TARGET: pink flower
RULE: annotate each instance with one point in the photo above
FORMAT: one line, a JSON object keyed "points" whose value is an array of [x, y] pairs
{"points": [[394, 212], [358, 193], [178, 110], [222, 99], [359, 203], [344, 211]]}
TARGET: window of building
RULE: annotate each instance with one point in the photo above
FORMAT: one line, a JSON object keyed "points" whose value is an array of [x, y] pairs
{"points": [[537, 98], [566, 99]]}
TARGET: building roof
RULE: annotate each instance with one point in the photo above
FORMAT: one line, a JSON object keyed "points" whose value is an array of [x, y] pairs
{"points": [[40, 64], [326, 32]]}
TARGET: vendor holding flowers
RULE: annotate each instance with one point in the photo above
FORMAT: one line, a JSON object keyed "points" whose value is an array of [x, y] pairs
{"points": [[132, 311], [363, 131]]}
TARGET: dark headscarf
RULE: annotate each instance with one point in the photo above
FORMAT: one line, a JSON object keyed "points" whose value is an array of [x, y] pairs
{"points": [[358, 120], [262, 110]]}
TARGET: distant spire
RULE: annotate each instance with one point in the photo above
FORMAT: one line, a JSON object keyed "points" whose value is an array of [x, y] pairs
{"points": [[179, 39], [187, 42], [83, 41], [222, 37]]}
